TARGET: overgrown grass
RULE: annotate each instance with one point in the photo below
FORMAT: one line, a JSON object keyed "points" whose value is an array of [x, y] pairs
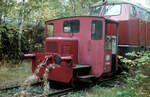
{"points": [[10, 73], [113, 92], [117, 91], [137, 80]]}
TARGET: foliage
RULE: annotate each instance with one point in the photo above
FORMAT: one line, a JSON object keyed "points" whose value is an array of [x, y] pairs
{"points": [[79, 7], [9, 42], [42, 10], [137, 59], [127, 92], [78, 94], [32, 36]]}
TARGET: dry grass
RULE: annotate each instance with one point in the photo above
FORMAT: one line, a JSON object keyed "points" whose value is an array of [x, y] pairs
{"points": [[15, 73], [101, 92]]}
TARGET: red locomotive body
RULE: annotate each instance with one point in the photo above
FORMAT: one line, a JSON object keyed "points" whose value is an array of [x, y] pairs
{"points": [[134, 20], [79, 48]]}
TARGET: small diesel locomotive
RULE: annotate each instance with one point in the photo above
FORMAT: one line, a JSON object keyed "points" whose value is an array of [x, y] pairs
{"points": [[77, 48]]}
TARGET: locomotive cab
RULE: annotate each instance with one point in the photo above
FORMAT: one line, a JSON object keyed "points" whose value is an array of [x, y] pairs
{"points": [[77, 48]]}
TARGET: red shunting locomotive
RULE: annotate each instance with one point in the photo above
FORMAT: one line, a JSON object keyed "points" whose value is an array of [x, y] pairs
{"points": [[80, 48]]}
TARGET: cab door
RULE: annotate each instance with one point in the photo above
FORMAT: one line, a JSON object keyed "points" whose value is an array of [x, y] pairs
{"points": [[108, 54], [111, 47], [97, 46]]}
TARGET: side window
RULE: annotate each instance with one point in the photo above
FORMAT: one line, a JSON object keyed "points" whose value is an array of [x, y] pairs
{"points": [[133, 11], [111, 10], [50, 30], [149, 17], [97, 29], [142, 14], [71, 26], [146, 16]]}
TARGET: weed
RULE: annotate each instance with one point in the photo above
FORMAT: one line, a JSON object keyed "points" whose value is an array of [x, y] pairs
{"points": [[78, 94]]}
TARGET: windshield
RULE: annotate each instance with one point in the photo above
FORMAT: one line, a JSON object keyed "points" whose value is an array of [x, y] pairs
{"points": [[94, 11], [71, 26], [111, 10]]}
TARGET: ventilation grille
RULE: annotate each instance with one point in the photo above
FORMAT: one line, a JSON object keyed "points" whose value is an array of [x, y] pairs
{"points": [[67, 47], [52, 47]]}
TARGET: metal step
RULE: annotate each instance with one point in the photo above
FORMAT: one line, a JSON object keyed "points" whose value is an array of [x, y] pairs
{"points": [[86, 77], [80, 70], [80, 66]]}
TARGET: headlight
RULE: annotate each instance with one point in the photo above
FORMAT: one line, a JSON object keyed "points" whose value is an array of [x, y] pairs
{"points": [[57, 59]]}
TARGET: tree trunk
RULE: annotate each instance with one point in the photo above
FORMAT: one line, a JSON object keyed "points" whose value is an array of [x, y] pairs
{"points": [[1, 11], [73, 6], [88, 3], [21, 25]]}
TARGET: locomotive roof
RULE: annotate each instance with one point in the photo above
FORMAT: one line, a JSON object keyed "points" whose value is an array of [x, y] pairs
{"points": [[120, 2], [106, 20]]}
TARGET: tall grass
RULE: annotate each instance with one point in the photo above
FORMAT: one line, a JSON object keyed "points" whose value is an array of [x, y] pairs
{"points": [[10, 73]]}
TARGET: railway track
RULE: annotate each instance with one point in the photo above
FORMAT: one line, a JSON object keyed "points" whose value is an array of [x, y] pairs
{"points": [[10, 86], [15, 85], [58, 93]]}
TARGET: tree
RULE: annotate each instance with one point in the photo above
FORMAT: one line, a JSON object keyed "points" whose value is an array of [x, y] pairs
{"points": [[78, 7]]}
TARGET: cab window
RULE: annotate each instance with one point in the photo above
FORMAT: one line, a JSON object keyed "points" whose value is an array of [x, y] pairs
{"points": [[143, 14], [71, 26], [149, 17], [133, 11], [111, 10], [97, 29], [50, 30]]}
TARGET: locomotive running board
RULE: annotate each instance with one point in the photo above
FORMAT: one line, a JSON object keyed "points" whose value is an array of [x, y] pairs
{"points": [[80, 66], [86, 77], [79, 70]]}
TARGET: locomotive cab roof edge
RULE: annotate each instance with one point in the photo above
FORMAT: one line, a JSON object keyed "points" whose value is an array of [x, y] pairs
{"points": [[106, 20]]}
